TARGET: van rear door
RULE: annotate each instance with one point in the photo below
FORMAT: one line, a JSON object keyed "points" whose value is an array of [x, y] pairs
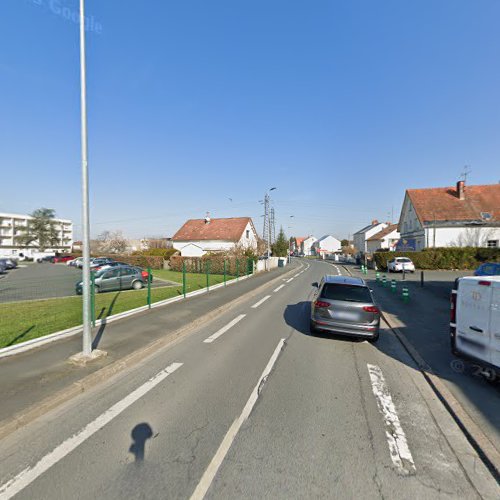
{"points": [[473, 318], [495, 324]]}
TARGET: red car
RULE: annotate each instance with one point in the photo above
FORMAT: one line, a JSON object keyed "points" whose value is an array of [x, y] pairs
{"points": [[62, 258]]}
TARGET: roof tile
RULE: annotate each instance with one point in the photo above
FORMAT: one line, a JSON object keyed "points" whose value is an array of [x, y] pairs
{"points": [[230, 229]]}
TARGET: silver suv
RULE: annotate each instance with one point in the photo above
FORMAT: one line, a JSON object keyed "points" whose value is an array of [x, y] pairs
{"points": [[345, 305]]}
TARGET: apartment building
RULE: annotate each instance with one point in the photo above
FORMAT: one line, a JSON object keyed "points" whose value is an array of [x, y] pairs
{"points": [[12, 225]]}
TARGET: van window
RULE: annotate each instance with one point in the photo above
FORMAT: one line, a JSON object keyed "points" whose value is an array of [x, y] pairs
{"points": [[350, 293]]}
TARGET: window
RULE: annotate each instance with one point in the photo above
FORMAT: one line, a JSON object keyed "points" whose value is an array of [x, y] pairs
{"points": [[350, 293], [248, 233], [128, 271], [492, 243], [111, 274]]}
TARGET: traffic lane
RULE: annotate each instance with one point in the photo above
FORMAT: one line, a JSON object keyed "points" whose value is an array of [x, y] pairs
{"points": [[194, 405], [425, 323], [317, 429]]}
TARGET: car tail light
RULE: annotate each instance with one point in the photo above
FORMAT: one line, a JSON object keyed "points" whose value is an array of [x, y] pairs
{"points": [[371, 309], [453, 307], [144, 274], [320, 303], [485, 283]]}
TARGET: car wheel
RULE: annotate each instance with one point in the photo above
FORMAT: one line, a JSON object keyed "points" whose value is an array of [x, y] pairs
{"points": [[137, 285], [97, 289]]}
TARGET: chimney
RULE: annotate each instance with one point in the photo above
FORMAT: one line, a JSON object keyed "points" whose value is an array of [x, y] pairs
{"points": [[461, 190], [374, 221], [207, 218]]}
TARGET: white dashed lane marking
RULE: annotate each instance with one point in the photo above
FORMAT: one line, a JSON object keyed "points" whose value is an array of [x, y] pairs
{"points": [[279, 288], [224, 329], [261, 301]]}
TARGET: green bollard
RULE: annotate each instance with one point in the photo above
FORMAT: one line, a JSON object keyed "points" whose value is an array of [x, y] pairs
{"points": [[393, 286], [149, 288], [384, 280], [184, 279], [237, 269], [377, 278], [92, 297], [406, 295], [225, 271], [207, 270]]}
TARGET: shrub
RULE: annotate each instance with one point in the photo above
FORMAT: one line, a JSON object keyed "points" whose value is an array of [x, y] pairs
{"points": [[234, 265], [443, 258], [166, 253]]}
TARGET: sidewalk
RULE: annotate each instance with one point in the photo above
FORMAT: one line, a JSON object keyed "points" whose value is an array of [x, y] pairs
{"points": [[29, 378], [424, 321]]}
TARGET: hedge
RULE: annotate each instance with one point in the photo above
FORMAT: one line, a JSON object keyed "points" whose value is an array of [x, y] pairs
{"points": [[234, 265], [143, 261], [443, 258]]}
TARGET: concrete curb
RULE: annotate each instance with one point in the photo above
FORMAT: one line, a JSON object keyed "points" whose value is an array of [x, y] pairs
{"points": [[52, 337], [8, 426]]}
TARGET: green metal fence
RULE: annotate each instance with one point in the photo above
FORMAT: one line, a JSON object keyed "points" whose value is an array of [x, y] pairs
{"points": [[39, 299]]}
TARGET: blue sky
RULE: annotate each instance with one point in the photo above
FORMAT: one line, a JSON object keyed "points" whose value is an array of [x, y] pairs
{"points": [[340, 104]]}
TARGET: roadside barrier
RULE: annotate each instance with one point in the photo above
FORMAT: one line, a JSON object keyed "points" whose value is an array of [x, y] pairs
{"points": [[406, 295]]}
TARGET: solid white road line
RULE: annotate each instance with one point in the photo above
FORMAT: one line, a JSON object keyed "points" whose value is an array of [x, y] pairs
{"points": [[224, 329], [261, 301], [398, 446], [209, 474], [279, 288], [28, 475], [288, 281]]}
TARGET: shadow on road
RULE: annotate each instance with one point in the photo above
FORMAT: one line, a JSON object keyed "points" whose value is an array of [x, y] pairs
{"points": [[140, 434]]}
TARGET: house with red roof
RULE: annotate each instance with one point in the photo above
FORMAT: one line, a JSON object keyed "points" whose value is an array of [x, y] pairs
{"points": [[387, 239], [450, 216], [200, 236]]}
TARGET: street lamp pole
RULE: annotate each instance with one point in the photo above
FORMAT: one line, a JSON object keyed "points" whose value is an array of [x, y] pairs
{"points": [[87, 331], [290, 244]]}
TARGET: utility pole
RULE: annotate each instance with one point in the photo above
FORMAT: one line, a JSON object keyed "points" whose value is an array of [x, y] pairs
{"points": [[266, 233], [87, 331]]}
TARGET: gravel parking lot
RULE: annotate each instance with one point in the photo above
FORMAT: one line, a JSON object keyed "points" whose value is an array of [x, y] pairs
{"points": [[43, 281]]}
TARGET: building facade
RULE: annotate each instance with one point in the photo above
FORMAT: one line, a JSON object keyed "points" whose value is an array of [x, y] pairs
{"points": [[14, 225], [387, 239], [200, 236], [457, 216], [327, 245], [361, 237]]}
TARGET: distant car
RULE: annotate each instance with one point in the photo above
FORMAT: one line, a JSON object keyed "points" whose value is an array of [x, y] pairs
{"points": [[3, 268], [45, 258], [62, 258], [344, 305], [74, 262], [488, 269], [118, 278], [400, 264]]}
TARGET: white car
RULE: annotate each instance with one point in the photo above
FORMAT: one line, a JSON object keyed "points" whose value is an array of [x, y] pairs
{"points": [[400, 264]]}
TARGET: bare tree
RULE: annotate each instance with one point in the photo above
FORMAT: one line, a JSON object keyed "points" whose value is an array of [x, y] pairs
{"points": [[473, 237], [111, 242]]}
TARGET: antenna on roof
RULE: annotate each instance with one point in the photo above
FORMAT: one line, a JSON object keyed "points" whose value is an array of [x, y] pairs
{"points": [[465, 172], [207, 218]]}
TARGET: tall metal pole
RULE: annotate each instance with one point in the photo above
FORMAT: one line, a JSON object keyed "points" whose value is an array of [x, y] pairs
{"points": [[87, 330]]}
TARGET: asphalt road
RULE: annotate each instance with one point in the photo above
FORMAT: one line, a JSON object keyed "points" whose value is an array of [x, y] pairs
{"points": [[252, 406]]}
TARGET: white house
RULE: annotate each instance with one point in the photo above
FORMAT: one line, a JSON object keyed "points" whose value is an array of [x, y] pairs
{"points": [[450, 216], [386, 239], [360, 237], [306, 245], [12, 225], [200, 236], [327, 245]]}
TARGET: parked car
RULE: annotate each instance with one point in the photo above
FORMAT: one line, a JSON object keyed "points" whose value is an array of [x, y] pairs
{"points": [[488, 269], [45, 258], [62, 258], [99, 262], [475, 322], [118, 278], [400, 264], [3, 268], [8, 263], [74, 262], [111, 264], [345, 305]]}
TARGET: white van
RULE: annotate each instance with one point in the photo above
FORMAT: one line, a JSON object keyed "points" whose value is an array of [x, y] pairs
{"points": [[475, 322]]}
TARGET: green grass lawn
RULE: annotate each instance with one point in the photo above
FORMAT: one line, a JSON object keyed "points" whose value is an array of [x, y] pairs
{"points": [[21, 321]]}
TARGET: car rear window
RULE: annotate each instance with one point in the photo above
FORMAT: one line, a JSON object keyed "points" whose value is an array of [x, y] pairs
{"points": [[350, 293], [403, 259]]}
